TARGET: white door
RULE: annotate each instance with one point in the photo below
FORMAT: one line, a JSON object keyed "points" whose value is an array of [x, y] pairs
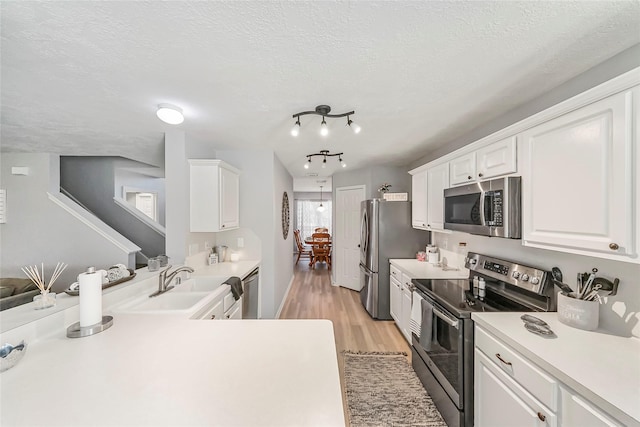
{"points": [[346, 239]]}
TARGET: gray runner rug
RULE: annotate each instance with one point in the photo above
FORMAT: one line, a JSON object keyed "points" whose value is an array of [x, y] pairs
{"points": [[383, 390]]}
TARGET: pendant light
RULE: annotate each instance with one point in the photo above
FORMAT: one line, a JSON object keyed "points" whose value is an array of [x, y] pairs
{"points": [[321, 207]]}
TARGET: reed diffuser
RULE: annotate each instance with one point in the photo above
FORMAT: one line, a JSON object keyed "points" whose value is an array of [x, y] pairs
{"points": [[46, 299]]}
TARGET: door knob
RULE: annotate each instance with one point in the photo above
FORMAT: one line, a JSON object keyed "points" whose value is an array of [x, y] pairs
{"points": [[614, 246]]}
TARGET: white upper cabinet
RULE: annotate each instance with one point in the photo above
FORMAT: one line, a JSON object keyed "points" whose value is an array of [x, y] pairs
{"points": [[437, 182], [498, 158], [419, 200], [214, 196], [579, 178]]}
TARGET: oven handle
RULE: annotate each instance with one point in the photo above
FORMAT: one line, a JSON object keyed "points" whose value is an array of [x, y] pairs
{"points": [[446, 318]]}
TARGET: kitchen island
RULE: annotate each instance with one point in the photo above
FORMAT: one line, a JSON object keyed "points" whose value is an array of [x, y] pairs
{"points": [[162, 371], [165, 369]]}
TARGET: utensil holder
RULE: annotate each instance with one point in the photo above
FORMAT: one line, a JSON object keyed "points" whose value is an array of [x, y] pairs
{"points": [[578, 313], [44, 300]]}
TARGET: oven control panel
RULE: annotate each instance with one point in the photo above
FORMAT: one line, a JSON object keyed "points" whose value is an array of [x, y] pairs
{"points": [[525, 277]]}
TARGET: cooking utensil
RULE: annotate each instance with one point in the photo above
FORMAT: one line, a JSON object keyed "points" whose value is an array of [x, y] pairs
{"points": [[556, 274], [587, 286]]}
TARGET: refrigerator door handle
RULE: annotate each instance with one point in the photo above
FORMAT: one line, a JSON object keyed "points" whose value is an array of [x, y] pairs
{"points": [[364, 234]]}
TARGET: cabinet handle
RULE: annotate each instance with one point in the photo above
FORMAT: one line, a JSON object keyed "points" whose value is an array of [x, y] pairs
{"points": [[541, 416], [502, 360], [614, 246], [213, 316], [480, 175], [469, 177], [222, 226]]}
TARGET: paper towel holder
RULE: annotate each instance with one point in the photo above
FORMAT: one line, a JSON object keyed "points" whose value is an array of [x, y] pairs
{"points": [[77, 331]]}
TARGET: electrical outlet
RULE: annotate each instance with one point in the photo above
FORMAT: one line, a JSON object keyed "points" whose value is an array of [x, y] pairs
{"points": [[241, 242], [207, 246]]}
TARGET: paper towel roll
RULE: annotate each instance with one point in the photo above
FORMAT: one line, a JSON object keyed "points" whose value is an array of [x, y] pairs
{"points": [[90, 298]]}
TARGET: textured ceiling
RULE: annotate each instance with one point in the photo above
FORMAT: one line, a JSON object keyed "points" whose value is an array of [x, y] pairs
{"points": [[86, 77]]}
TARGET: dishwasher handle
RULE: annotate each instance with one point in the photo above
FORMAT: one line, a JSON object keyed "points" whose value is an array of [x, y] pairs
{"points": [[251, 275]]}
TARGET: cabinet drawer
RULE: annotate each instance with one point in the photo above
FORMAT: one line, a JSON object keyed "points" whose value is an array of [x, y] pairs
{"points": [[536, 381], [405, 283], [395, 272]]}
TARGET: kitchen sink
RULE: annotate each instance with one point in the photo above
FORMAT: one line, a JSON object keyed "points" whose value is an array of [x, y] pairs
{"points": [[199, 284], [168, 302]]}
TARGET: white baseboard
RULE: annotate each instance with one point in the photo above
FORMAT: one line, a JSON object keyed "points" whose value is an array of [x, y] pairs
{"points": [[284, 299]]}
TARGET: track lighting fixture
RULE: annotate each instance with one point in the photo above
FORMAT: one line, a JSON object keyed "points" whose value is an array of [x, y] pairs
{"points": [[324, 154], [295, 131], [324, 110]]}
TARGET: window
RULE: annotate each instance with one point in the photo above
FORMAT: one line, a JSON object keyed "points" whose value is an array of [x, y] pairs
{"points": [[308, 218]]}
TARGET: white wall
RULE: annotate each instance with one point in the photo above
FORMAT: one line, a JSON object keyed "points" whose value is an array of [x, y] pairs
{"points": [[38, 230], [177, 196], [373, 178], [283, 248], [620, 314], [262, 181]]}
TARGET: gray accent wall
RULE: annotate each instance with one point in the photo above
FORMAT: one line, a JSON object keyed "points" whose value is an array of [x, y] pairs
{"points": [[39, 231], [91, 180], [373, 178]]}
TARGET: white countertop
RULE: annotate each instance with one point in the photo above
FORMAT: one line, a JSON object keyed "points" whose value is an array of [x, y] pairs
{"points": [[238, 268], [604, 368], [424, 270], [162, 371]]}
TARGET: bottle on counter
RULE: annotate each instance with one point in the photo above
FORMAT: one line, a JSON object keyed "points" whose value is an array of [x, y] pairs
{"points": [[482, 287], [213, 258]]}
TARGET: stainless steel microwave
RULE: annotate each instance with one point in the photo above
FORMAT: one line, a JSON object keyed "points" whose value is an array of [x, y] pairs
{"points": [[487, 208]]}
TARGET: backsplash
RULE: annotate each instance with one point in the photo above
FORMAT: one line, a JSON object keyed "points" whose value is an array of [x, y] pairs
{"points": [[619, 315]]}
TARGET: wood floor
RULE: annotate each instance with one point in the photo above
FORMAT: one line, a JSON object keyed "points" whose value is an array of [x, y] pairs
{"points": [[312, 297]]}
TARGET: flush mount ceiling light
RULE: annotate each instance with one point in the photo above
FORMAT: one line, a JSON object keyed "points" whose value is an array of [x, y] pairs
{"points": [[324, 154], [170, 114], [324, 110]]}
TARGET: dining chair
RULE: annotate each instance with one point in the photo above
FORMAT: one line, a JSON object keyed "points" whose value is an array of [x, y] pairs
{"points": [[321, 249], [321, 230], [303, 250]]}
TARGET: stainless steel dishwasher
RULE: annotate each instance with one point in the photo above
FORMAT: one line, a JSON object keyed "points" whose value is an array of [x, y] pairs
{"points": [[251, 295]]}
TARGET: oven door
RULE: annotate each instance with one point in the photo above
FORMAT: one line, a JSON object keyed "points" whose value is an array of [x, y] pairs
{"points": [[440, 345]]}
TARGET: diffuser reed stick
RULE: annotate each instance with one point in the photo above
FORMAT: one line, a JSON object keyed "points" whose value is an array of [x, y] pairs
{"points": [[38, 278]]}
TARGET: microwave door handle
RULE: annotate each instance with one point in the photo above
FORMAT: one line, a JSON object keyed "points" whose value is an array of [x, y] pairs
{"points": [[446, 318], [483, 220]]}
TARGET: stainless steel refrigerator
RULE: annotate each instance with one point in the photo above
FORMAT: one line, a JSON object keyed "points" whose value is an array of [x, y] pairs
{"points": [[385, 232]]}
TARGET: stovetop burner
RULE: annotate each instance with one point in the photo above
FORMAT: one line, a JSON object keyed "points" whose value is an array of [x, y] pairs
{"points": [[505, 288]]}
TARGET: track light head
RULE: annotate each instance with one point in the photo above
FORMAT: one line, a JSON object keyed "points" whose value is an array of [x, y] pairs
{"points": [[324, 130], [295, 130], [354, 126]]}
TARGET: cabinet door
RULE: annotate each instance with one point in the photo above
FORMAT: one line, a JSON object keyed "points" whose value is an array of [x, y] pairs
{"points": [[578, 181], [462, 170], [576, 411], [500, 402], [419, 200], [229, 199], [406, 307], [395, 300], [496, 159], [437, 182]]}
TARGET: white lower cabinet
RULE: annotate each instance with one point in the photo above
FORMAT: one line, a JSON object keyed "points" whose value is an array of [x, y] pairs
{"points": [[400, 297], [501, 402], [395, 299], [405, 317], [510, 390]]}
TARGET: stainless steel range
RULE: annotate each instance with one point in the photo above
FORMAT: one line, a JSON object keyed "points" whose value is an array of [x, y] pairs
{"points": [[443, 350]]}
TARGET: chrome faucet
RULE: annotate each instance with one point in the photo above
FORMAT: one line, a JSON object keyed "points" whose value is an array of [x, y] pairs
{"points": [[165, 278]]}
